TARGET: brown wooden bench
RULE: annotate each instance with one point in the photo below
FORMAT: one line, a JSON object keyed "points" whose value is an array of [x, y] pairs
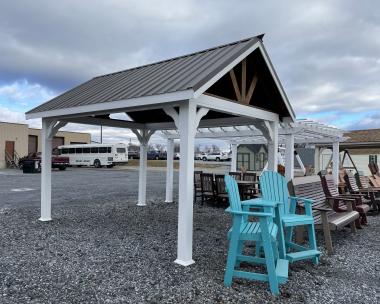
{"points": [[325, 218]]}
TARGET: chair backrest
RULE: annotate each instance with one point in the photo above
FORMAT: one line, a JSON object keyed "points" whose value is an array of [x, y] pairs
{"points": [[329, 186], [207, 182], [375, 181], [310, 187], [249, 176], [274, 188], [373, 168], [197, 178], [235, 175], [233, 193], [220, 185], [349, 178]]}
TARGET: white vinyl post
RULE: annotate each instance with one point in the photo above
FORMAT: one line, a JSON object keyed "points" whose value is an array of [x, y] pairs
{"points": [[317, 160], [335, 159], [169, 170], [143, 136], [187, 115], [273, 147], [142, 174], [46, 170], [289, 157], [233, 157]]}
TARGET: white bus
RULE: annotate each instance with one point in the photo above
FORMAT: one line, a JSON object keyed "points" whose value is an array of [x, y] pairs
{"points": [[96, 155]]}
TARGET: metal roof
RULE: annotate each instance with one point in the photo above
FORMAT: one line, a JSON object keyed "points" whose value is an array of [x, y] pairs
{"points": [[173, 75]]}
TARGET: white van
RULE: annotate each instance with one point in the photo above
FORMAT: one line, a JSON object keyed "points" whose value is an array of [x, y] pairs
{"points": [[96, 155]]}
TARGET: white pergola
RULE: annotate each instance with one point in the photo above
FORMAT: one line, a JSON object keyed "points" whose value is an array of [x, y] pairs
{"points": [[226, 86], [301, 131]]}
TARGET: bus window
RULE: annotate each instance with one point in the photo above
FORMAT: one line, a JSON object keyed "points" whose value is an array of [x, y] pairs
{"points": [[94, 150], [120, 150], [86, 150], [102, 149], [65, 151], [78, 150], [71, 150], [109, 149]]}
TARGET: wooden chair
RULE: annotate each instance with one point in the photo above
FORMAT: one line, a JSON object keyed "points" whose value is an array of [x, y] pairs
{"points": [[197, 185], [367, 194], [264, 231], [274, 188], [339, 205], [325, 217], [375, 181], [235, 175], [208, 192], [251, 192], [220, 188]]}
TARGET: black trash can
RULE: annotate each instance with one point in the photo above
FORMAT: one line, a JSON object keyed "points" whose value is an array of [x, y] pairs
{"points": [[28, 166]]}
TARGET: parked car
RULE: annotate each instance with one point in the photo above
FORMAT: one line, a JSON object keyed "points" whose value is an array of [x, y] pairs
{"points": [[216, 156], [199, 155], [156, 155], [60, 162]]}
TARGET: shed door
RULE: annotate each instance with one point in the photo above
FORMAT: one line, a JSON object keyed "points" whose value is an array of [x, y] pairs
{"points": [[32, 144], [58, 141], [10, 148]]}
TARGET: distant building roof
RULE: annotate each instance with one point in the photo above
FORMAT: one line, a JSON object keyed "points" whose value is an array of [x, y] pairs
{"points": [[369, 138], [370, 135]]}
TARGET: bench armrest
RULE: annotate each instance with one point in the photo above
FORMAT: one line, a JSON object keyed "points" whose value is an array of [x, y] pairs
{"points": [[322, 209], [341, 198], [258, 214]]}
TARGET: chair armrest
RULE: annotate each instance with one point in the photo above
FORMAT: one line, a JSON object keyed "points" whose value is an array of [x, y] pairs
{"points": [[258, 214], [307, 204], [341, 198], [259, 202], [322, 209]]}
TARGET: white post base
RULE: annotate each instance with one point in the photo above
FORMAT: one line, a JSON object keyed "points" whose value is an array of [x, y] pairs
{"points": [[168, 202], [184, 263], [45, 219], [141, 204]]}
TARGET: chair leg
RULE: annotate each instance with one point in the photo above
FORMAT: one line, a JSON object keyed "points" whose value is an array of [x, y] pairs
{"points": [[327, 233], [239, 252], [271, 266], [312, 241], [288, 237], [231, 261]]}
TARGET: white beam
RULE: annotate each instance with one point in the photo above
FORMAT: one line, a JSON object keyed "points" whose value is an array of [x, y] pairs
{"points": [[317, 160], [230, 107], [335, 159], [273, 147], [169, 170], [233, 157], [115, 123], [289, 157], [125, 105]]}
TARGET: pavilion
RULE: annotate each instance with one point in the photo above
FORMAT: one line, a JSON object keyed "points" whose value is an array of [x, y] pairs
{"points": [[226, 86]]}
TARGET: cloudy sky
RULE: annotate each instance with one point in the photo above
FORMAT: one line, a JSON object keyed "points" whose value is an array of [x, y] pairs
{"points": [[327, 53]]}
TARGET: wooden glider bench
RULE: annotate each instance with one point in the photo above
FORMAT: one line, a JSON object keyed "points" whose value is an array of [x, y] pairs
{"points": [[325, 218]]}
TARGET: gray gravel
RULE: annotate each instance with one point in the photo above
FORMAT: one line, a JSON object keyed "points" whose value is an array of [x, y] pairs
{"points": [[100, 250]]}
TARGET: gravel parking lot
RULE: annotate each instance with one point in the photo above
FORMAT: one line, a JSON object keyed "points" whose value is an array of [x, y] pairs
{"points": [[102, 248]]}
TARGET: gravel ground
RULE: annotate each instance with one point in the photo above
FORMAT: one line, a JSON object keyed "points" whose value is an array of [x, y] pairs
{"points": [[119, 253]]}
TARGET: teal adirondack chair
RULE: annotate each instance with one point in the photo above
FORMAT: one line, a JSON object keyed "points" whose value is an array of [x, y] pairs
{"points": [[274, 187], [264, 232]]}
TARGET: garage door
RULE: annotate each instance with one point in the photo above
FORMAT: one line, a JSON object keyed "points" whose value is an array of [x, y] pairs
{"points": [[58, 141], [32, 144]]}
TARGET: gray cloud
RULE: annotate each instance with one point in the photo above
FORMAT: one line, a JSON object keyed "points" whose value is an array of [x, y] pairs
{"points": [[326, 52]]}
